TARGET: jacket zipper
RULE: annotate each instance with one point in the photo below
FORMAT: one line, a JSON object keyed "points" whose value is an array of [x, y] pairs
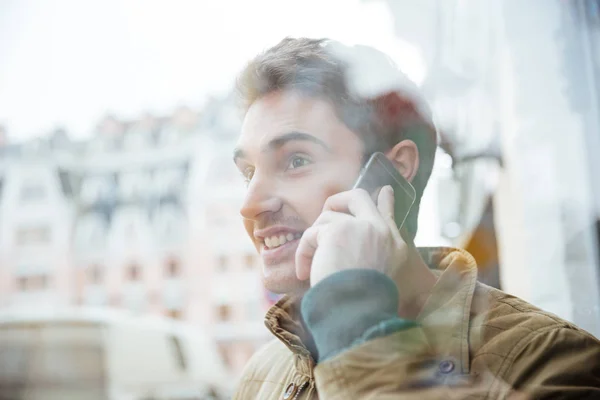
{"points": [[300, 389]]}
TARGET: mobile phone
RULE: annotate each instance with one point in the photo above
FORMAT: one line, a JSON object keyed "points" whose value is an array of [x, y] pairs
{"points": [[379, 172]]}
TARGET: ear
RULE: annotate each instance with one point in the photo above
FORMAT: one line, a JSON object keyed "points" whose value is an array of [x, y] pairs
{"points": [[405, 157]]}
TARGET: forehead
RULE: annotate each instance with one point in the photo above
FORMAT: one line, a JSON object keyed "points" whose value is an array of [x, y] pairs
{"points": [[283, 111]]}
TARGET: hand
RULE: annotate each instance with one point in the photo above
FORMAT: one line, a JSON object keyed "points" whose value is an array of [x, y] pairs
{"points": [[352, 232]]}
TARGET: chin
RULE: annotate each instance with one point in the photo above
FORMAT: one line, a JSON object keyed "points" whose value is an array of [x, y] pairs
{"points": [[281, 279]]}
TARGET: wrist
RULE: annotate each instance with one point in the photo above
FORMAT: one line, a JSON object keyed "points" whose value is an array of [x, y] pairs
{"points": [[350, 307]]}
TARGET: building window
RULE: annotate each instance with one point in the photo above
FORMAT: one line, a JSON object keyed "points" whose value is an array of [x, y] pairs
{"points": [[32, 236], [95, 274], [249, 261], [173, 268], [133, 272], [174, 314], [32, 193], [41, 282], [222, 263], [225, 355], [32, 283], [224, 312], [22, 282]]}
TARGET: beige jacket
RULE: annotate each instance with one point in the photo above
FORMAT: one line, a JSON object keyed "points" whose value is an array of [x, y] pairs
{"points": [[472, 342]]}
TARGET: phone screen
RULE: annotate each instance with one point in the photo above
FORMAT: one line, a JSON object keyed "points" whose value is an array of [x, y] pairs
{"points": [[379, 172]]}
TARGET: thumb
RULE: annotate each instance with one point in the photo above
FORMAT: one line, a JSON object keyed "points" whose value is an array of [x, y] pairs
{"points": [[306, 252]]}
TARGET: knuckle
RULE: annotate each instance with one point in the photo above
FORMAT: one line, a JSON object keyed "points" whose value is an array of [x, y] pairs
{"points": [[340, 228], [360, 192], [365, 227], [332, 199], [324, 217], [327, 215]]}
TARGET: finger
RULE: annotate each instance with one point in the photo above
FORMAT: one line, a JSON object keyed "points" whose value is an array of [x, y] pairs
{"points": [[355, 202], [385, 204], [305, 252], [328, 217], [387, 209]]}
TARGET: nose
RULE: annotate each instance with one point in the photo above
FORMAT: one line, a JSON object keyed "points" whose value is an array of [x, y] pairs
{"points": [[260, 198]]}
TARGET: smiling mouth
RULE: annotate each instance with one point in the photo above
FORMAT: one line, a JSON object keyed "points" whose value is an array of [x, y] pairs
{"points": [[275, 241]]}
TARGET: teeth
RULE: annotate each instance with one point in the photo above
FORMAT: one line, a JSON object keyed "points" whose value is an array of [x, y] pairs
{"points": [[276, 241]]}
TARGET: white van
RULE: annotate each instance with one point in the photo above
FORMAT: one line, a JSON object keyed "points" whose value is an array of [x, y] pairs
{"points": [[103, 354]]}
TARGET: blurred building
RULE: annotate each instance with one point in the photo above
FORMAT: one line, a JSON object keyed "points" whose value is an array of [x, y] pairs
{"points": [[36, 216], [514, 87], [144, 216]]}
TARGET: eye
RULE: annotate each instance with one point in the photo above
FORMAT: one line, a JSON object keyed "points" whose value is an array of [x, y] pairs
{"points": [[297, 161]]}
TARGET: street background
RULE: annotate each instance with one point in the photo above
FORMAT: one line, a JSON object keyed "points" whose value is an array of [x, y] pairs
{"points": [[119, 202]]}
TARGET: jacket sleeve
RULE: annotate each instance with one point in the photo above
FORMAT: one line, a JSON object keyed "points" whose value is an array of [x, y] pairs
{"points": [[558, 362], [350, 307], [366, 352]]}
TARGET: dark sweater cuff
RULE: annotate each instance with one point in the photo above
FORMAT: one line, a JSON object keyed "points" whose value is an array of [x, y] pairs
{"points": [[350, 307]]}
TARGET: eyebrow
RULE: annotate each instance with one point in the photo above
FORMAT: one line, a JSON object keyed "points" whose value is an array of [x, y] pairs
{"points": [[280, 141]]}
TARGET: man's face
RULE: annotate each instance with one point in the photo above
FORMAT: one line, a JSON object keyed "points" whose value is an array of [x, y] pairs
{"points": [[294, 153]]}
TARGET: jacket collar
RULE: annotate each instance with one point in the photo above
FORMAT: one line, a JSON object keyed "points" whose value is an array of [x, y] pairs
{"points": [[445, 316], [284, 321]]}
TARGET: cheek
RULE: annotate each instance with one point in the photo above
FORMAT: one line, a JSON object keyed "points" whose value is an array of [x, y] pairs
{"points": [[307, 206], [312, 200], [340, 182], [249, 226]]}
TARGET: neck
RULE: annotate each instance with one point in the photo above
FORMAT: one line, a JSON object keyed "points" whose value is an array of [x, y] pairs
{"points": [[415, 282]]}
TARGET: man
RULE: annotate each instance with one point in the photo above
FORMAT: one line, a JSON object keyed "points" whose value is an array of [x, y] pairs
{"points": [[366, 314]]}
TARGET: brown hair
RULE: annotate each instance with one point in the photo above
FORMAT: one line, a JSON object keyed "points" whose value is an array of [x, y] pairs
{"points": [[306, 66]]}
